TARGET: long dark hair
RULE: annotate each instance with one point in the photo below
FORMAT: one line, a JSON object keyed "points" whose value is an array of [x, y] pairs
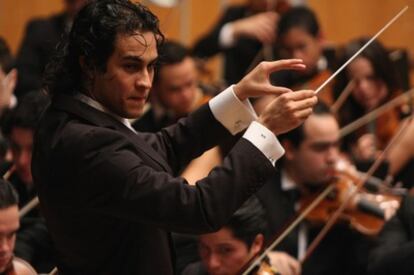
{"points": [[383, 69], [92, 37]]}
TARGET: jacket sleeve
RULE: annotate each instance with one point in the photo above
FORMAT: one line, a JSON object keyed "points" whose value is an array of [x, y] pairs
{"points": [[394, 251], [120, 183], [209, 45]]}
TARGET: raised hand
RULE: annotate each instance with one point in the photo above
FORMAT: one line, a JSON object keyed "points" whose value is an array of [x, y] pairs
{"points": [[261, 27], [7, 85], [256, 83], [288, 111], [284, 263]]}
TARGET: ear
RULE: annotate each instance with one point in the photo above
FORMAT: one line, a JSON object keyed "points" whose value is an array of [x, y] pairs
{"points": [[86, 68], [289, 149], [257, 244], [11, 80]]}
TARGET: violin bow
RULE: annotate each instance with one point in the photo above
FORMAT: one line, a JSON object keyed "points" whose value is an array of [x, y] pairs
{"points": [[377, 162], [289, 229], [360, 183], [29, 206], [331, 186], [342, 97], [401, 99], [360, 50]]}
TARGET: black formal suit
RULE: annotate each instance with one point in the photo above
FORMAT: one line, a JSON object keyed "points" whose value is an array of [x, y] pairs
{"points": [[342, 251], [394, 252], [237, 59], [38, 45], [149, 123], [108, 195]]}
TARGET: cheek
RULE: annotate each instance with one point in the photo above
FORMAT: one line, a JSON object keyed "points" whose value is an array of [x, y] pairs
{"points": [[12, 242], [236, 261]]}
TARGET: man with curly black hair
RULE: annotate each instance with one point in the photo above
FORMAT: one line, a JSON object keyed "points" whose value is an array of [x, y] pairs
{"points": [[109, 194]]}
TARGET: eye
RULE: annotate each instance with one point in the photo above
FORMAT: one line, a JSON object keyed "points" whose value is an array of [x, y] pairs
{"points": [[225, 250], [151, 66], [10, 235], [204, 251], [131, 67]]}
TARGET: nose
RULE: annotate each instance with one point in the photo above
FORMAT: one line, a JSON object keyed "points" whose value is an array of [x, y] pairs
{"points": [[213, 262], [145, 79], [5, 246], [24, 158], [332, 154], [297, 54], [186, 93], [362, 85]]}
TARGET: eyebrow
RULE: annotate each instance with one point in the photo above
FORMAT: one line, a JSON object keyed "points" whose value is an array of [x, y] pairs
{"points": [[326, 143], [138, 59]]}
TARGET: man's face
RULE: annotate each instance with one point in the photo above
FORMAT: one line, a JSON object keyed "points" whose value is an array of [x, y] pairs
{"points": [[223, 254], [124, 87], [9, 223], [315, 158], [177, 86], [298, 43], [368, 91], [21, 143]]}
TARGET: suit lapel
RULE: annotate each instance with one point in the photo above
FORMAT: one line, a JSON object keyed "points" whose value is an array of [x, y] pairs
{"points": [[98, 118]]}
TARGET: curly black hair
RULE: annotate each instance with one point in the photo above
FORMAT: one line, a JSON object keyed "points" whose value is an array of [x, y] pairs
{"points": [[8, 195], [92, 38]]}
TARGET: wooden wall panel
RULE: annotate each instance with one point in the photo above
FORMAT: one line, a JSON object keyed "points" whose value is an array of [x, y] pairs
{"points": [[341, 20], [345, 20], [15, 13]]}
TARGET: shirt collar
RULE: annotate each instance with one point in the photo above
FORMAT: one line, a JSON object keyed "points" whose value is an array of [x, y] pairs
{"points": [[286, 182], [98, 106]]}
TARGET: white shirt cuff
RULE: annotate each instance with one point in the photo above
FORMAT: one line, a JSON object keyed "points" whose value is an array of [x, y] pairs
{"points": [[265, 141], [226, 36], [232, 113]]}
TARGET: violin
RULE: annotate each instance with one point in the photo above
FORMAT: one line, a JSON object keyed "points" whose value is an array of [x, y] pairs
{"points": [[367, 212], [263, 268], [266, 268]]}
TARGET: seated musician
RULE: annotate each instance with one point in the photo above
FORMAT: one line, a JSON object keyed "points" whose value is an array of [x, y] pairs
{"points": [[300, 36], [240, 34], [19, 124], [312, 151], [175, 93], [235, 244], [394, 249], [9, 224], [375, 83]]}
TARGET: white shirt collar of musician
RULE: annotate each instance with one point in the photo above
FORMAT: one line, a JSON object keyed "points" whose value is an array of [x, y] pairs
{"points": [[95, 104], [286, 182], [322, 64]]}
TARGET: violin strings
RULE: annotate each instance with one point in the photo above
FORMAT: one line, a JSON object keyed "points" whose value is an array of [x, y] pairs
{"points": [[358, 187], [347, 129], [342, 97], [325, 192], [292, 226]]}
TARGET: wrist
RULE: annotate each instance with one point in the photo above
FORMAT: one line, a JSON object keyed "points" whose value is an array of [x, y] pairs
{"points": [[238, 92]]}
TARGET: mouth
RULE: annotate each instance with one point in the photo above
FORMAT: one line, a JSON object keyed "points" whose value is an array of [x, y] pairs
{"points": [[138, 99], [4, 259]]}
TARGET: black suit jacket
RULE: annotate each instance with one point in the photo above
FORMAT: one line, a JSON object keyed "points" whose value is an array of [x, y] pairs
{"points": [[37, 47], [149, 123], [342, 251], [238, 58], [394, 252], [108, 195]]}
